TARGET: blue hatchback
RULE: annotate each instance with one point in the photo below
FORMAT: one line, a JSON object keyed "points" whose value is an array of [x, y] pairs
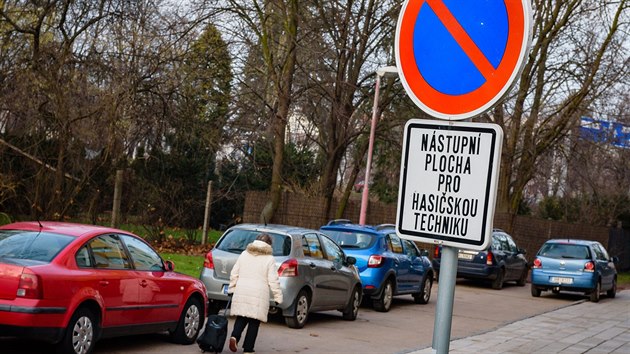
{"points": [[574, 265], [388, 265]]}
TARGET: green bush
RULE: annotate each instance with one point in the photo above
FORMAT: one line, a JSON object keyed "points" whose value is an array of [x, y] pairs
{"points": [[4, 219]]}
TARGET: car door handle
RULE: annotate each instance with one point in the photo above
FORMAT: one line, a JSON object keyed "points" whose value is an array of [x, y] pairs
{"points": [[143, 283], [333, 268], [312, 265], [103, 283]]}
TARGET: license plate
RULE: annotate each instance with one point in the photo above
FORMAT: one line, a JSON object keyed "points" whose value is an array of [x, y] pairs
{"points": [[561, 280], [225, 289], [465, 256]]}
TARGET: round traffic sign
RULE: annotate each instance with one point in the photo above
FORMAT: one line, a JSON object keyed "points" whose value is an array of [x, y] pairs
{"points": [[457, 58]]}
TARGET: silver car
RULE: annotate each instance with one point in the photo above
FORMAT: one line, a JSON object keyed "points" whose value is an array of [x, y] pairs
{"points": [[315, 273]]}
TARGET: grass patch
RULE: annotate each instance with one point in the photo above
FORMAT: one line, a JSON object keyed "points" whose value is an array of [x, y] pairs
{"points": [[623, 279], [185, 264]]}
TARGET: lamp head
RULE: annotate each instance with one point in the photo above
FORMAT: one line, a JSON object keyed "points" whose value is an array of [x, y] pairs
{"points": [[385, 70]]}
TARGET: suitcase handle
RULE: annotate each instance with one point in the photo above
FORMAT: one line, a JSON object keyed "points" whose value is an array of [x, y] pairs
{"points": [[228, 303]]}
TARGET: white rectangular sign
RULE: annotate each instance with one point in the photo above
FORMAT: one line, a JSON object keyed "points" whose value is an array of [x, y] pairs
{"points": [[448, 182]]}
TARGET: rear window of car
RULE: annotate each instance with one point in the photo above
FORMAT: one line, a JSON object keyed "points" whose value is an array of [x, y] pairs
{"points": [[236, 241], [351, 239], [29, 245], [563, 250]]}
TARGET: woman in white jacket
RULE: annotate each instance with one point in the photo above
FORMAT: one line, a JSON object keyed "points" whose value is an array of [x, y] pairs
{"points": [[253, 275]]}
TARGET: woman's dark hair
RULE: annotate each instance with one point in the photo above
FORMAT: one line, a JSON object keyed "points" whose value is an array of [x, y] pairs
{"points": [[265, 238]]}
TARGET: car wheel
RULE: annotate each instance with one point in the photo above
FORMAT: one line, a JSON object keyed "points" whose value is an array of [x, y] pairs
{"points": [[424, 295], [298, 320], [384, 302], [523, 279], [497, 283], [594, 295], [190, 322], [352, 309], [613, 291], [535, 291], [80, 334]]}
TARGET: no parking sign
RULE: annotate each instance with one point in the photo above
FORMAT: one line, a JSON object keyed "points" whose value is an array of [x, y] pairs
{"points": [[457, 58]]}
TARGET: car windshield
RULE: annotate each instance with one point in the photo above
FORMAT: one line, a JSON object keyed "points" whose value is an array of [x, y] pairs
{"points": [[351, 239], [236, 241], [30, 245], [563, 250]]}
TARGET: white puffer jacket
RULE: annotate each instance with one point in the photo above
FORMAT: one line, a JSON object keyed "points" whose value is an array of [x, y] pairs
{"points": [[251, 278]]}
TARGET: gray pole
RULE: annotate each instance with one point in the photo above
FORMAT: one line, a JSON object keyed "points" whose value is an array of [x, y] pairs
{"points": [[204, 233], [117, 197], [446, 296]]}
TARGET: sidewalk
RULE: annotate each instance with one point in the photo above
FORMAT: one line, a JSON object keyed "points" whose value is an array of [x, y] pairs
{"points": [[581, 327]]}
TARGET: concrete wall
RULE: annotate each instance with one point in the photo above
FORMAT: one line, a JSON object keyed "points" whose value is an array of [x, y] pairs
{"points": [[529, 233]]}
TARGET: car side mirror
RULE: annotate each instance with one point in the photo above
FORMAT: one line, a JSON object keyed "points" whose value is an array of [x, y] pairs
{"points": [[522, 251], [424, 253], [169, 265], [351, 260], [615, 259]]}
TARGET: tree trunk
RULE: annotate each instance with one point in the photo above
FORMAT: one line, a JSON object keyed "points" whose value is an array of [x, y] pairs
{"points": [[283, 82], [356, 168]]}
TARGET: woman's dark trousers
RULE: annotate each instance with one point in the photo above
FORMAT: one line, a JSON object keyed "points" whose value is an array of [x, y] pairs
{"points": [[252, 331]]}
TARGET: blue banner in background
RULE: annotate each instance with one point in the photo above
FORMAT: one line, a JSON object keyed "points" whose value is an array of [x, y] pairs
{"points": [[603, 131]]}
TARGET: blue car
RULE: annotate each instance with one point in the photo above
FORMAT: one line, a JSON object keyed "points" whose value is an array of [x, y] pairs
{"points": [[574, 265], [388, 265]]}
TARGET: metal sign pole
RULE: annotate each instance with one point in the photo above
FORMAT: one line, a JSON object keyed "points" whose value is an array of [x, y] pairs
{"points": [[445, 299]]}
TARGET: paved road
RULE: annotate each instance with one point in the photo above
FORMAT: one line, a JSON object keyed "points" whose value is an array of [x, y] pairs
{"points": [[407, 328]]}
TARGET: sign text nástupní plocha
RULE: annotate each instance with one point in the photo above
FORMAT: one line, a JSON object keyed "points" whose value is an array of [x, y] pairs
{"points": [[450, 157]]}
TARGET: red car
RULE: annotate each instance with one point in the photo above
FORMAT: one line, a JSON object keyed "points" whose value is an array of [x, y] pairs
{"points": [[72, 284]]}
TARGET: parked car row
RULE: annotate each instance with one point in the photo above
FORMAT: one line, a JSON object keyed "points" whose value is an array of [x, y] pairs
{"points": [[333, 268], [73, 284], [560, 265]]}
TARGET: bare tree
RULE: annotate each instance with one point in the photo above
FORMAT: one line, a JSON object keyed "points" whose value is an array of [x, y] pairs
{"points": [[268, 32], [572, 62], [90, 85], [52, 82], [345, 42]]}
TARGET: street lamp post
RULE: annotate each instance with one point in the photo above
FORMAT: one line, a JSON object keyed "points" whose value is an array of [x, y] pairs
{"points": [[380, 72]]}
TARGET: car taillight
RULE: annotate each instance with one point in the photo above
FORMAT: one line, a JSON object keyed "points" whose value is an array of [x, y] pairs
{"points": [[589, 266], [288, 268], [208, 262], [30, 286], [436, 252], [489, 258], [537, 263], [375, 261]]}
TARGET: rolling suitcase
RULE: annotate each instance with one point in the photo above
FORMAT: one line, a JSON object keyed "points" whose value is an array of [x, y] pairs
{"points": [[213, 337]]}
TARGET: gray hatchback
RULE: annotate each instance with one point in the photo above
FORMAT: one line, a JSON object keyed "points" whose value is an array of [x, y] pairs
{"points": [[315, 273]]}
